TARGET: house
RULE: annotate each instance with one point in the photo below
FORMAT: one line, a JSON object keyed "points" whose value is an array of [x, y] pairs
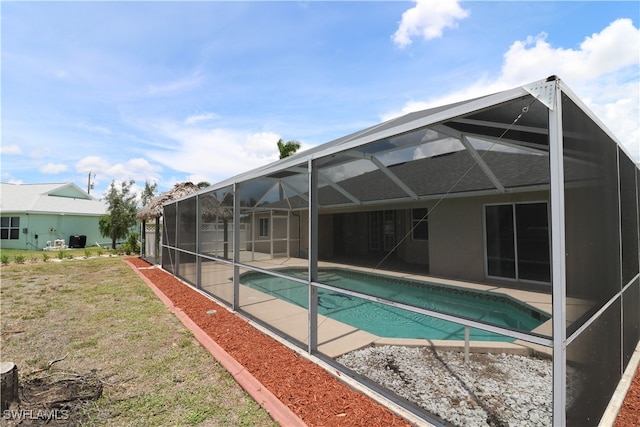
{"points": [[35, 216], [522, 194]]}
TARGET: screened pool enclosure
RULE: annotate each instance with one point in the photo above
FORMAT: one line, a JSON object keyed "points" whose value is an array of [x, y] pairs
{"points": [[520, 199]]}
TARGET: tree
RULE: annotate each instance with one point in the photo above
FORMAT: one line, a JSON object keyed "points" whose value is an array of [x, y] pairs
{"points": [[288, 148], [203, 184], [121, 213], [148, 193]]}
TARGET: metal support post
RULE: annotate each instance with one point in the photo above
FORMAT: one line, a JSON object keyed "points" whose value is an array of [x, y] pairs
{"points": [[313, 257], [236, 247], [558, 264]]}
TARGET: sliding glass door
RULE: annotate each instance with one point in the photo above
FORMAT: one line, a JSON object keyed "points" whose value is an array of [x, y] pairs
{"points": [[517, 241]]}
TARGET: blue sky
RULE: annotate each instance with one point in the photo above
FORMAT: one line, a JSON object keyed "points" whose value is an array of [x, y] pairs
{"points": [[175, 91]]}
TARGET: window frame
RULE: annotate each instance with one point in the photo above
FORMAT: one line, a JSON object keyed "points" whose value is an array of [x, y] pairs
{"points": [[263, 227], [11, 231], [513, 205]]}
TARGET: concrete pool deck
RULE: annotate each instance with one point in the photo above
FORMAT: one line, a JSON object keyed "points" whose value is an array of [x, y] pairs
{"points": [[336, 338]]}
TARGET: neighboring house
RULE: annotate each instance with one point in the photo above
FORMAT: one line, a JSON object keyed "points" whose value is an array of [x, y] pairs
{"points": [[34, 214]]}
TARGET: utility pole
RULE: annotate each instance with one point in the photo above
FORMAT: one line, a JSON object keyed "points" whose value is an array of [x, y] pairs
{"points": [[89, 184]]}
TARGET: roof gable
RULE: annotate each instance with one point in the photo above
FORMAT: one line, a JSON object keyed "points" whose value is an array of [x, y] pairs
{"points": [[70, 190]]}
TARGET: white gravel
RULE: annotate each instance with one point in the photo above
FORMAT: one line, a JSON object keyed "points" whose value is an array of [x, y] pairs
{"points": [[491, 389]]}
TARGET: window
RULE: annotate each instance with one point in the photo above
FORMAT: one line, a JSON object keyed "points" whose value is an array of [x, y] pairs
{"points": [[264, 227], [10, 227], [419, 224], [517, 241]]}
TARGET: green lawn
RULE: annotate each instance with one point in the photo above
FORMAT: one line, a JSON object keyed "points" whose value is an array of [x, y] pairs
{"points": [[97, 315]]}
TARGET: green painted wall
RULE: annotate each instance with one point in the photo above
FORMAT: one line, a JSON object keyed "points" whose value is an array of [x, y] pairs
{"points": [[41, 228]]}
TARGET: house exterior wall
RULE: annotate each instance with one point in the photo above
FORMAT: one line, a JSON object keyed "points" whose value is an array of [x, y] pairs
{"points": [[43, 227], [278, 233], [303, 245], [455, 239], [456, 244], [456, 234], [409, 250]]}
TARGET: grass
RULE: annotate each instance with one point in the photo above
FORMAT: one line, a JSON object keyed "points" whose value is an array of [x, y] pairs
{"points": [[96, 314]]}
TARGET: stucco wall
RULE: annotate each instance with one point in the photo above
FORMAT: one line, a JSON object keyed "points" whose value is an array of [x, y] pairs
{"points": [[52, 227], [456, 234], [411, 251], [278, 231]]}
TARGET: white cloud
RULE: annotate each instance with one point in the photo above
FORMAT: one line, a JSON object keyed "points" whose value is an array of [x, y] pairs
{"points": [[91, 164], [197, 118], [603, 72], [40, 152], [53, 168], [622, 118], [138, 169], [428, 18], [614, 48], [262, 145], [212, 154], [10, 150]]}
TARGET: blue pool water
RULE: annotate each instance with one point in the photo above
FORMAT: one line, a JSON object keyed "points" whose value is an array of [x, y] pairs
{"points": [[386, 321]]}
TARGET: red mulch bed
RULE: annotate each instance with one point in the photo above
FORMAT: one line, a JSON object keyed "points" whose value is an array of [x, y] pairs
{"points": [[629, 415], [314, 395]]}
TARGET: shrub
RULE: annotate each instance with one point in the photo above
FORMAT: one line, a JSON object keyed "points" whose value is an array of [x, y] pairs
{"points": [[87, 253], [100, 252], [4, 259], [61, 254], [45, 257], [131, 246], [19, 259]]}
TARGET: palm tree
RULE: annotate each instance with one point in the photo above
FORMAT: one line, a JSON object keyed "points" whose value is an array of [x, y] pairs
{"points": [[287, 148]]}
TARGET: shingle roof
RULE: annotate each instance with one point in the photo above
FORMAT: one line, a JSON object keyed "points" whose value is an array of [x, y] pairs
{"points": [[56, 198]]}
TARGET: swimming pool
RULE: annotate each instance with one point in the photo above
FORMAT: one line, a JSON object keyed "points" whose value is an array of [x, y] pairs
{"points": [[386, 321]]}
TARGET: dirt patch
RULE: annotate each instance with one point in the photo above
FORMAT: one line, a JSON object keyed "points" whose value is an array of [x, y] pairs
{"points": [[58, 399]]}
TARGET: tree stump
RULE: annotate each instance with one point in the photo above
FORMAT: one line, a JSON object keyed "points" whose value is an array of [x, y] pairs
{"points": [[9, 385]]}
